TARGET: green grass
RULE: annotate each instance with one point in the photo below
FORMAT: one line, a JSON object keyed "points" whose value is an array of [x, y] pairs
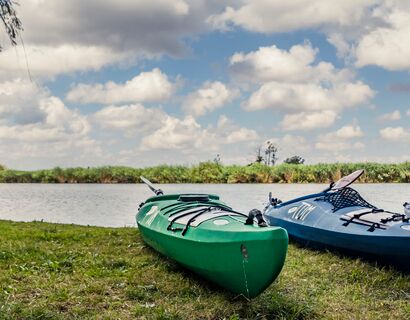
{"points": [[210, 172], [53, 271]]}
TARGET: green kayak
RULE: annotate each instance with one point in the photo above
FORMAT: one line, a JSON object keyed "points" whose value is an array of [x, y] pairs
{"points": [[206, 236]]}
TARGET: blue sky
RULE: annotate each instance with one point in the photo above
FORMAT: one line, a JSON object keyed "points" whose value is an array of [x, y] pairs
{"points": [[142, 83]]}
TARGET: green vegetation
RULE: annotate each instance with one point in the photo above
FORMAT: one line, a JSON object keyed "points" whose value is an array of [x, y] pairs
{"points": [[53, 271], [213, 172]]}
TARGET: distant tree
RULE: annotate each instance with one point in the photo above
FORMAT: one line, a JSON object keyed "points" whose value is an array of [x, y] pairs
{"points": [[11, 22], [271, 153], [259, 157], [2, 167], [295, 160], [217, 159]]}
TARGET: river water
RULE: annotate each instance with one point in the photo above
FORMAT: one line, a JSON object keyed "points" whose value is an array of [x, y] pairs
{"points": [[115, 205]]}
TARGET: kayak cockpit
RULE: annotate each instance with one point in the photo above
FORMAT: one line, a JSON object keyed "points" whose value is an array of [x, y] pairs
{"points": [[184, 197]]}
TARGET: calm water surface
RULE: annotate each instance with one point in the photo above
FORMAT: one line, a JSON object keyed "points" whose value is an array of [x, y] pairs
{"points": [[115, 205]]}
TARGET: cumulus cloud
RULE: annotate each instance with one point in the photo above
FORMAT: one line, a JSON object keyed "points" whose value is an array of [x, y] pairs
{"points": [[37, 125], [30, 113], [211, 96], [310, 97], [408, 113], [395, 134], [291, 81], [387, 46], [365, 32], [187, 135], [274, 64], [349, 132], [129, 118], [67, 36], [288, 16], [49, 61], [146, 87], [308, 120], [340, 139], [395, 115], [122, 24]]}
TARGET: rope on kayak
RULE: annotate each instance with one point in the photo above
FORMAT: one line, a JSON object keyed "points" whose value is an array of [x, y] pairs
{"points": [[207, 208], [192, 219], [201, 211]]}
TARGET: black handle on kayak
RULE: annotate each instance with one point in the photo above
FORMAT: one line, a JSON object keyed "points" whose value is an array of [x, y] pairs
{"points": [[255, 213], [157, 192]]}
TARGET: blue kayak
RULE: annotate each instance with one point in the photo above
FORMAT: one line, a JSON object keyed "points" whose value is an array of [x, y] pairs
{"points": [[340, 218]]}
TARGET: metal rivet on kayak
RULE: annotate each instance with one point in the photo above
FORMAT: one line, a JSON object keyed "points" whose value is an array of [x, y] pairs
{"points": [[244, 251]]}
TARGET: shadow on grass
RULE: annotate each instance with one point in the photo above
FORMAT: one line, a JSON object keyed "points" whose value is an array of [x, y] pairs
{"points": [[371, 260], [274, 303]]}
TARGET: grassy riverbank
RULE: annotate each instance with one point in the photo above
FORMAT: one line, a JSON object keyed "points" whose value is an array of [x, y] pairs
{"points": [[209, 172], [52, 271]]}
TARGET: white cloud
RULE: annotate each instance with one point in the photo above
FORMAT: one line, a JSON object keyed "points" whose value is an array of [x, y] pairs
{"points": [[119, 24], [241, 135], [408, 113], [146, 87], [129, 118], [274, 64], [292, 81], [395, 115], [211, 96], [339, 140], [387, 46], [68, 36], [366, 32], [26, 108], [349, 132], [48, 61], [308, 96], [34, 124], [187, 135], [395, 134], [308, 120], [269, 16]]}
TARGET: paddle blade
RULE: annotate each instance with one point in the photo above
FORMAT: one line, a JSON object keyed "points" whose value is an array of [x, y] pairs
{"points": [[347, 180]]}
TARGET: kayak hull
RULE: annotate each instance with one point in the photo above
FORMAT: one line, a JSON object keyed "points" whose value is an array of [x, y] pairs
{"points": [[388, 250], [315, 223], [244, 259]]}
